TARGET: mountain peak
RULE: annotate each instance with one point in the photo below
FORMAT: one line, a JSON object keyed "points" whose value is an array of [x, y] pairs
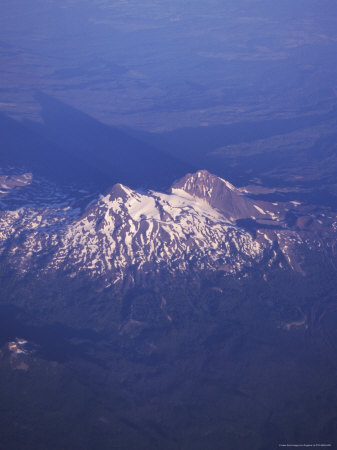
{"points": [[193, 181], [218, 193], [119, 190]]}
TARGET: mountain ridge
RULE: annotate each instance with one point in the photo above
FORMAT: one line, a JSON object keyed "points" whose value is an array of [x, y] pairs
{"points": [[222, 195], [202, 223]]}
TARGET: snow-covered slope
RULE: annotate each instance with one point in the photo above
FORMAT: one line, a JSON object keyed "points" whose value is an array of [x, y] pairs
{"points": [[223, 196], [126, 233]]}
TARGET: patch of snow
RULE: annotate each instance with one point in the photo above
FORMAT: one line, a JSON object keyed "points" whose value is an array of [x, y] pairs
{"points": [[18, 346], [228, 184], [268, 239], [143, 205], [259, 209]]}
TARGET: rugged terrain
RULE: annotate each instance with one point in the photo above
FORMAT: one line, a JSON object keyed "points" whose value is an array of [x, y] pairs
{"points": [[140, 319], [202, 223]]}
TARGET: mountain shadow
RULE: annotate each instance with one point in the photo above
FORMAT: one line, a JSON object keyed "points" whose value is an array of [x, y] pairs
{"points": [[112, 154], [23, 148], [72, 147]]}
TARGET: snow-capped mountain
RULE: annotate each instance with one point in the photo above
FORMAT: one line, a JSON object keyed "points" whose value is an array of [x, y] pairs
{"points": [[203, 222]]}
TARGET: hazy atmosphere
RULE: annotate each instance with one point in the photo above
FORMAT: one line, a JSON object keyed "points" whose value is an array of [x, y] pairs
{"points": [[168, 219]]}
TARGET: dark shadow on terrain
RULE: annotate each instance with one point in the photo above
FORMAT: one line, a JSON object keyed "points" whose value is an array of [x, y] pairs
{"points": [[252, 226], [317, 197], [51, 341], [23, 147], [110, 152], [72, 147]]}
